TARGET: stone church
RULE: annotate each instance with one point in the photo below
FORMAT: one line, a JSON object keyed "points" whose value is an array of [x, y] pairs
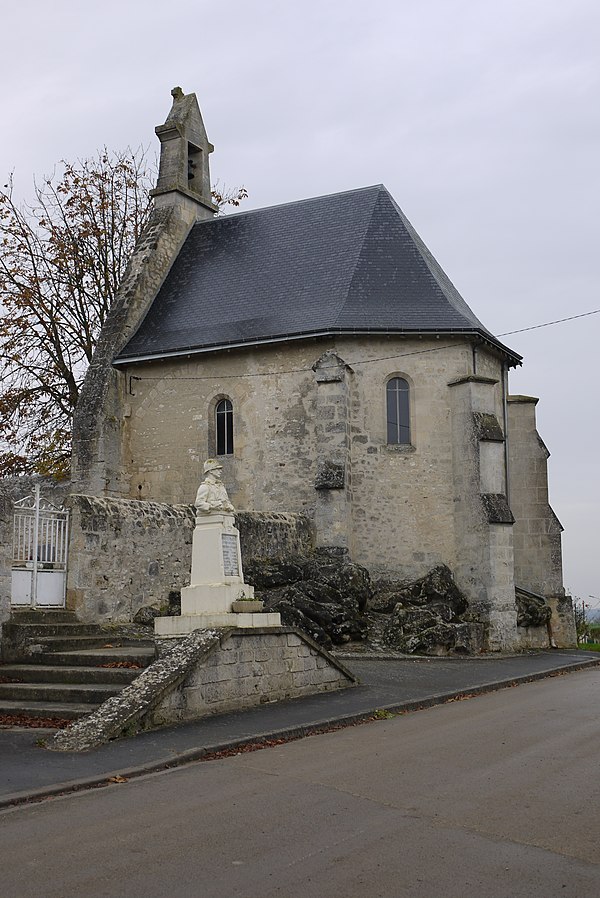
{"points": [[318, 350]]}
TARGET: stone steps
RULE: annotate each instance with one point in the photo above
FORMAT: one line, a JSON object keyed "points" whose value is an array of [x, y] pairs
{"points": [[56, 666], [64, 629], [143, 655], [81, 643]]}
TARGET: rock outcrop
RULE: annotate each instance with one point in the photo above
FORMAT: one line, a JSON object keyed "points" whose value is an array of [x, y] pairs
{"points": [[323, 593], [335, 602], [532, 611], [427, 616]]}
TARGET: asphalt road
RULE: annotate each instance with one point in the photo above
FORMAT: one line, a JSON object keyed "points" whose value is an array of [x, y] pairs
{"points": [[491, 797]]}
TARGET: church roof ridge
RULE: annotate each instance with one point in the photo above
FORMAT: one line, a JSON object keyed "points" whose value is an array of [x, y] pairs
{"points": [[300, 202]]}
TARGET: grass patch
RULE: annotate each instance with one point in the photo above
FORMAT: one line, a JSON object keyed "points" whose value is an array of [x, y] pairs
{"points": [[590, 646]]}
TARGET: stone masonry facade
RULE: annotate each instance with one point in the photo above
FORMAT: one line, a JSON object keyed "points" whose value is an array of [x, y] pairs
{"points": [[283, 439], [310, 438]]}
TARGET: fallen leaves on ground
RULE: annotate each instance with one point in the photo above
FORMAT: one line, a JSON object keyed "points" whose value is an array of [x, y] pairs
{"points": [[118, 779], [130, 665], [21, 720], [271, 743]]}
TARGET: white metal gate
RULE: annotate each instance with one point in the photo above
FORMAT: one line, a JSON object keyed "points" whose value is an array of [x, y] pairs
{"points": [[40, 542]]}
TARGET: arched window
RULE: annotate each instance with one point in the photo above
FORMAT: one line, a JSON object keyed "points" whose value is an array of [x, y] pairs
{"points": [[398, 412], [224, 427]]}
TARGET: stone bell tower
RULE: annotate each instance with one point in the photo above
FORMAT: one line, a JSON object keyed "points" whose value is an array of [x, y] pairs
{"points": [[184, 173]]}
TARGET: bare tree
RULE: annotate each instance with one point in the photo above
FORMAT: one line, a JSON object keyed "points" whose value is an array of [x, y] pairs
{"points": [[61, 260]]}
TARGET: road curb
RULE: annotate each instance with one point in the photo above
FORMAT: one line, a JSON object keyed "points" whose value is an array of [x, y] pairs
{"points": [[285, 734]]}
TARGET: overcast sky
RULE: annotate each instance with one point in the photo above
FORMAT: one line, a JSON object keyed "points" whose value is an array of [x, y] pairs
{"points": [[481, 118]]}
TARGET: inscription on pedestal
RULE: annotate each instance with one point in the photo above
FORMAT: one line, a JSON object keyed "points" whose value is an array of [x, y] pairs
{"points": [[231, 566]]}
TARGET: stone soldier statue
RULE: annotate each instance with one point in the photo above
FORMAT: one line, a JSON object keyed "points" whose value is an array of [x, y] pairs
{"points": [[212, 497]]}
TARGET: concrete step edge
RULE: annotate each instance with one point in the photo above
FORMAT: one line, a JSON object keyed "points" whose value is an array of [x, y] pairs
{"points": [[83, 659], [41, 673], [66, 710], [92, 693]]}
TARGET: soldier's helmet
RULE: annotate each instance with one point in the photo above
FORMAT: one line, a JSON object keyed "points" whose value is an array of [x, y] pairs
{"points": [[211, 464]]}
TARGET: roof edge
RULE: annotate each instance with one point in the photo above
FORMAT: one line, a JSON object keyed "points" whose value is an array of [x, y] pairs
{"points": [[482, 336]]}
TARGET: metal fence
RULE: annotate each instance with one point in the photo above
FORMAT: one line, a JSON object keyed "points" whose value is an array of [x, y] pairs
{"points": [[40, 545]]}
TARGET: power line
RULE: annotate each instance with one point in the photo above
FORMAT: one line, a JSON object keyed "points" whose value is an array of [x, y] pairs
{"points": [[549, 323], [383, 358]]}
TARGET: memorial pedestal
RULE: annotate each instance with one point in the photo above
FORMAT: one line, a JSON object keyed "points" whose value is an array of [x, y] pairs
{"points": [[216, 583], [216, 580]]}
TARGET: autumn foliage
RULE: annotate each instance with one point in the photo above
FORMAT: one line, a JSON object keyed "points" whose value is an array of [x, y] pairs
{"points": [[62, 257]]}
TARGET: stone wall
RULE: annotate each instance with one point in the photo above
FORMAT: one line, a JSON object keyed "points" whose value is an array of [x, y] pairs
{"points": [[277, 535], [534, 638], [11, 490], [125, 554], [310, 438], [397, 502], [563, 621], [248, 669], [98, 463]]}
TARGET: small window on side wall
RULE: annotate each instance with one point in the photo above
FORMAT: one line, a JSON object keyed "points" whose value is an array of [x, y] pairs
{"points": [[398, 412], [224, 427]]}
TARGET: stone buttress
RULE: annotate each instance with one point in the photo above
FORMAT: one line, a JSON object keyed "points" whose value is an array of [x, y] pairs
{"points": [[483, 519], [537, 530]]}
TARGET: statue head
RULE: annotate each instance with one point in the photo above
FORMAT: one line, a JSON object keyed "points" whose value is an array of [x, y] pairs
{"points": [[211, 464]]}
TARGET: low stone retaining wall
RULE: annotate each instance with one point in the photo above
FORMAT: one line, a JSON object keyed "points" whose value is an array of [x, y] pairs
{"points": [[533, 638], [210, 672], [563, 621], [558, 632], [125, 554], [248, 668]]}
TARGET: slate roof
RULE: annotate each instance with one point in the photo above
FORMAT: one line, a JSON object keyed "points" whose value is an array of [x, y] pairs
{"points": [[345, 263]]}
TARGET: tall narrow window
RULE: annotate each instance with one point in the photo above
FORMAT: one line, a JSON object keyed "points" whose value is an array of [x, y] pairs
{"points": [[398, 412], [224, 427]]}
